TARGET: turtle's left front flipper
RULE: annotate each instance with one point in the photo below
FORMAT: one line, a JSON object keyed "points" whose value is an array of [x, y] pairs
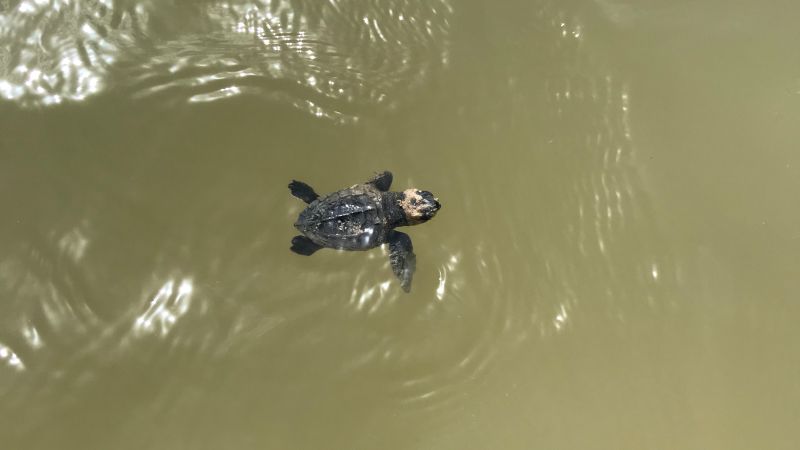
{"points": [[382, 181], [402, 258]]}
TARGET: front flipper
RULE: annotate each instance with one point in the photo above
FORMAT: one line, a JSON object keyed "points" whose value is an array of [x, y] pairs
{"points": [[382, 180], [304, 246], [303, 191], [402, 258]]}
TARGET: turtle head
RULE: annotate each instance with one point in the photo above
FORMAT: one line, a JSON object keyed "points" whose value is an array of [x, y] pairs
{"points": [[419, 206]]}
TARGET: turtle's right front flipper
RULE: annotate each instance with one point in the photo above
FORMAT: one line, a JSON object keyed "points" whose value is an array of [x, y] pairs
{"points": [[303, 191], [402, 258]]}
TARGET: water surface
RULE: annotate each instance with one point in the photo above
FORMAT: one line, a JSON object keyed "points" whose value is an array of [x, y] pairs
{"points": [[614, 266]]}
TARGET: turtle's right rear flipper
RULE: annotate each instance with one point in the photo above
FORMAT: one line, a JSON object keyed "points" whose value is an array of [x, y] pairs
{"points": [[303, 191], [304, 246]]}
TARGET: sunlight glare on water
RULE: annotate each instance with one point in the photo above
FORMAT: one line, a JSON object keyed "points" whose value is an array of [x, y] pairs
{"points": [[614, 266], [169, 304]]}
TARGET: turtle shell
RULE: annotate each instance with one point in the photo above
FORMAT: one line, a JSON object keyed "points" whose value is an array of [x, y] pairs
{"points": [[350, 219]]}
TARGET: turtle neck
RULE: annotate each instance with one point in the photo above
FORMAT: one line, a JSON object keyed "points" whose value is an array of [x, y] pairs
{"points": [[395, 216]]}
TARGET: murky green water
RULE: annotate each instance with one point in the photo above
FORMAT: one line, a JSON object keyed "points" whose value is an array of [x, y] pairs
{"points": [[615, 265]]}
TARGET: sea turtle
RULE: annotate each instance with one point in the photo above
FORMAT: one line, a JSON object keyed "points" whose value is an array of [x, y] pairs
{"points": [[362, 217]]}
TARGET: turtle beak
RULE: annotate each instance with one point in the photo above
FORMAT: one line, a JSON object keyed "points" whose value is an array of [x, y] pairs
{"points": [[430, 206], [435, 206]]}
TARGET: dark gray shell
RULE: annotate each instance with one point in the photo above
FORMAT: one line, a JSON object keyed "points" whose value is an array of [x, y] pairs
{"points": [[350, 219]]}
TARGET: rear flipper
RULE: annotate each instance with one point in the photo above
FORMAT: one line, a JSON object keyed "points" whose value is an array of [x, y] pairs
{"points": [[303, 191], [304, 246], [402, 258]]}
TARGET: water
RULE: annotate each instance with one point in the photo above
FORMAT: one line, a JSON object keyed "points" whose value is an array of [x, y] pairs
{"points": [[614, 266]]}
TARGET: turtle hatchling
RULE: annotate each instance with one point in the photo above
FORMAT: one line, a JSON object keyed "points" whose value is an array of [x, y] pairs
{"points": [[362, 217]]}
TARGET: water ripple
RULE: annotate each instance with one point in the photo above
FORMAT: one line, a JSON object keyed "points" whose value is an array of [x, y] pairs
{"points": [[58, 51], [434, 343], [327, 58], [164, 310]]}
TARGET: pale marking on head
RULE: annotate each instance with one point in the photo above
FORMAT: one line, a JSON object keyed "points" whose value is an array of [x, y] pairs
{"points": [[411, 203]]}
